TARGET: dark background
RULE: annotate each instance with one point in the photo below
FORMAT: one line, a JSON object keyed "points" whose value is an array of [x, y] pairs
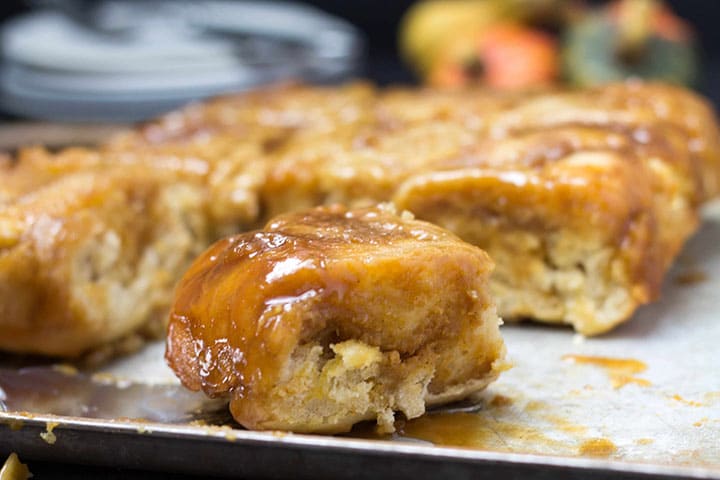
{"points": [[378, 20]]}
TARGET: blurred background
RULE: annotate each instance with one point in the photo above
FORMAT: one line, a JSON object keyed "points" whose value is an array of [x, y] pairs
{"points": [[125, 60], [99, 64]]}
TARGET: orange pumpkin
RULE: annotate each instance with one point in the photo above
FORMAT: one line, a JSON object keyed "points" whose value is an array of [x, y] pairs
{"points": [[503, 56]]}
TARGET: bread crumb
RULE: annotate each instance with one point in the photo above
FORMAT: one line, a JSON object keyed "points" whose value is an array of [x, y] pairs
{"points": [[13, 469], [48, 434]]}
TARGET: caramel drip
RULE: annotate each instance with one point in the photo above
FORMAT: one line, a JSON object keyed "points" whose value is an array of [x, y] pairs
{"points": [[621, 371], [597, 447]]}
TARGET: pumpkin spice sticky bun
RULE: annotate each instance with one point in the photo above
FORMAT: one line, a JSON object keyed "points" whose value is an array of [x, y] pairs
{"points": [[91, 258], [92, 242], [582, 197], [332, 316]]}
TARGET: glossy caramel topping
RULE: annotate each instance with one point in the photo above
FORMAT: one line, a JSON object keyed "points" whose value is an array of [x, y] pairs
{"points": [[336, 226], [249, 300], [628, 162]]}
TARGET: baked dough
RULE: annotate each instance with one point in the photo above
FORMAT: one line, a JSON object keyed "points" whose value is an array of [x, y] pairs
{"points": [[583, 197], [332, 316], [94, 256], [92, 242]]}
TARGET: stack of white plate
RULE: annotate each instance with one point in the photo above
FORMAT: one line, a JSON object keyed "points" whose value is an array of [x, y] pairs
{"points": [[126, 61]]}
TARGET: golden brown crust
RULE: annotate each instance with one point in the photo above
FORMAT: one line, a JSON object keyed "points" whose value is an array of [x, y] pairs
{"points": [[584, 197], [620, 169], [410, 290], [92, 257]]}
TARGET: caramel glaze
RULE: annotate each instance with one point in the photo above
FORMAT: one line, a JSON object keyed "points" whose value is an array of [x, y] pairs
{"points": [[622, 167], [242, 307], [621, 371], [578, 176], [471, 430], [597, 447], [627, 365], [691, 277]]}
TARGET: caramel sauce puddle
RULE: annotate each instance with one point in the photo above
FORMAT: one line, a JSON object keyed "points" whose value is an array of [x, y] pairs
{"points": [[597, 447], [500, 424], [621, 371], [691, 277], [471, 430]]}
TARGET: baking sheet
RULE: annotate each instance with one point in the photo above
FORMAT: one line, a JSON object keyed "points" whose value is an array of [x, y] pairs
{"points": [[642, 400]]}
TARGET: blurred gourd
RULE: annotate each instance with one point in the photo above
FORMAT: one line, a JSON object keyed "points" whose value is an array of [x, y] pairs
{"points": [[429, 25], [461, 42], [503, 56], [630, 38], [548, 13]]}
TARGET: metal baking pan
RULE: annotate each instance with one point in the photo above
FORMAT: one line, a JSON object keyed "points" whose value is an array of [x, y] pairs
{"points": [[640, 402]]}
